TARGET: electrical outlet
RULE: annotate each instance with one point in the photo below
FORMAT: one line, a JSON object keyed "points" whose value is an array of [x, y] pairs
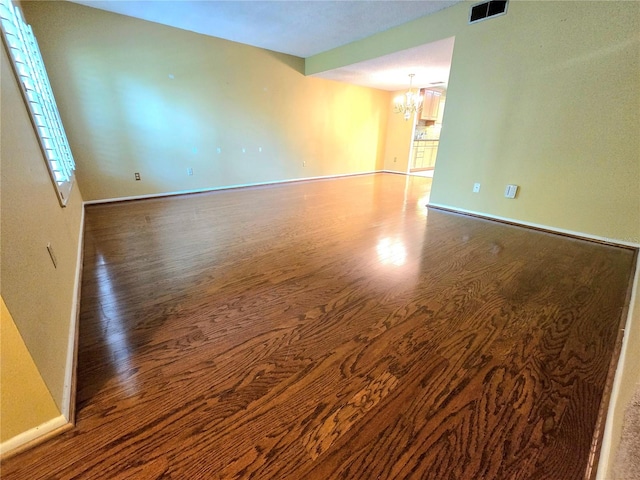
{"points": [[137, 176], [304, 163], [511, 191], [476, 187], [189, 171]]}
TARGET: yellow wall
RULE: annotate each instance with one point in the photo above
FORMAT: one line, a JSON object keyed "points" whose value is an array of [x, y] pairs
{"points": [[546, 97], [25, 402], [398, 143], [39, 296], [124, 114]]}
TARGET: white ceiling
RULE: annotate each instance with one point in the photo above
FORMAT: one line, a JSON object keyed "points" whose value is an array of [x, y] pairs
{"points": [[307, 27]]}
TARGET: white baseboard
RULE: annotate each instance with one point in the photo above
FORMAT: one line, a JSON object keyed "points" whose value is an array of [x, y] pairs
{"points": [[228, 187], [68, 395], [607, 448], [538, 226], [24, 438]]}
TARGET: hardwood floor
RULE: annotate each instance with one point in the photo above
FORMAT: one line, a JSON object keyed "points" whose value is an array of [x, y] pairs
{"points": [[334, 329]]}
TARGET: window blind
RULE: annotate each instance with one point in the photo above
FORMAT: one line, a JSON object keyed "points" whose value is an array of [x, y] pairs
{"points": [[29, 68]]}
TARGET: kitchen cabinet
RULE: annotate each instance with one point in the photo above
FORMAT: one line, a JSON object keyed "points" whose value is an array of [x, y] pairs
{"points": [[424, 154], [431, 100]]}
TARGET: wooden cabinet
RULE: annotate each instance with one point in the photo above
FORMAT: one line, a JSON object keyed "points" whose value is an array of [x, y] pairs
{"points": [[424, 154], [431, 100]]}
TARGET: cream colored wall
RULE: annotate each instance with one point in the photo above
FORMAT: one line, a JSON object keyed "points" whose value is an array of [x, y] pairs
{"points": [[563, 124], [546, 97], [398, 144], [25, 401], [39, 296], [136, 96]]}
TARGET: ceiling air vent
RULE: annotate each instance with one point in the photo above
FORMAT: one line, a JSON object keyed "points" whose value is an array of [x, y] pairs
{"points": [[484, 10]]}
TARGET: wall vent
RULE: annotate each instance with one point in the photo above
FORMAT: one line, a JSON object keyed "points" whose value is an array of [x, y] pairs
{"points": [[484, 10]]}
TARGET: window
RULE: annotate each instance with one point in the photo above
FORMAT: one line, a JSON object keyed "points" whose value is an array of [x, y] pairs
{"points": [[29, 69]]}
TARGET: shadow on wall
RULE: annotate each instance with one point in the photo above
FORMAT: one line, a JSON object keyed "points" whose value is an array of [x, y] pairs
{"points": [[295, 63]]}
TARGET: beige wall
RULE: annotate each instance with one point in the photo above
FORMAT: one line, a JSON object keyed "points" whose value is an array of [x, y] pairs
{"points": [[39, 296], [563, 124], [546, 97], [398, 143], [25, 401], [124, 114]]}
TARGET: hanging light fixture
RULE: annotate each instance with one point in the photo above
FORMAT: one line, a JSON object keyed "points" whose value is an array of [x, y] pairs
{"points": [[410, 102]]}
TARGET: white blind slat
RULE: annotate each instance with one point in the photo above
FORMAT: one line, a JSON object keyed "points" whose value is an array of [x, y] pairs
{"points": [[32, 75]]}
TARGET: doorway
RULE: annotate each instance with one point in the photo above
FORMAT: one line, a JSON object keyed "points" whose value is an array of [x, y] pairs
{"points": [[426, 131]]}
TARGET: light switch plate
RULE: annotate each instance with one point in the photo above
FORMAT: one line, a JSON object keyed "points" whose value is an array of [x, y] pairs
{"points": [[511, 191]]}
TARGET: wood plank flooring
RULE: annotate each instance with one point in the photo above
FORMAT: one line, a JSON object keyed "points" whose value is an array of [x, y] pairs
{"points": [[334, 329]]}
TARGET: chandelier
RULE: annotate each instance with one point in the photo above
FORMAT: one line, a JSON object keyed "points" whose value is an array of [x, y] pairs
{"points": [[408, 103]]}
